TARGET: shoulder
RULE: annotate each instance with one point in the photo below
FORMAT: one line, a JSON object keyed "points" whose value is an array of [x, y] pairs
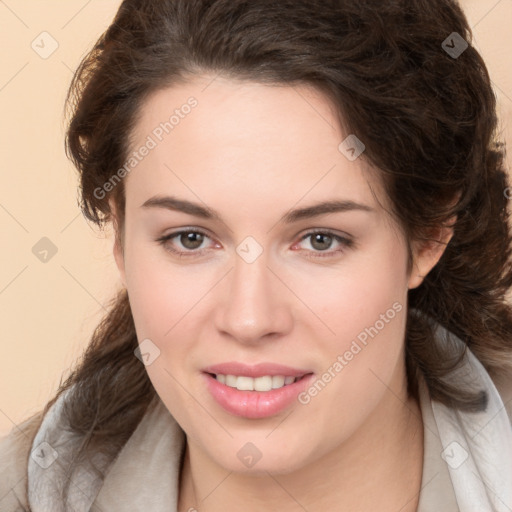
{"points": [[503, 383], [14, 453]]}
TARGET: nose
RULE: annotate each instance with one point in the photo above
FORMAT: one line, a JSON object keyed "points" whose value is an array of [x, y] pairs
{"points": [[254, 304]]}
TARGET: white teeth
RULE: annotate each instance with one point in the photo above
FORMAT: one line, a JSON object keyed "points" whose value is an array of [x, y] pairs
{"points": [[278, 381], [231, 381], [265, 383], [245, 383]]}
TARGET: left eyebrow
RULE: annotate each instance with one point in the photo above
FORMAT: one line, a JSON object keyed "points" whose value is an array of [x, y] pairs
{"points": [[335, 206], [315, 210]]}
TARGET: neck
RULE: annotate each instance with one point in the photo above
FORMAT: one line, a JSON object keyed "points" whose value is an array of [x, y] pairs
{"points": [[378, 468]]}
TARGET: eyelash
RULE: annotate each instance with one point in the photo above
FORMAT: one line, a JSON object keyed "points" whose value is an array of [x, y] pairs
{"points": [[344, 241]]}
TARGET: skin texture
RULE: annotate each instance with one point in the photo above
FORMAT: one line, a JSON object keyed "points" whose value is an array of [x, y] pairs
{"points": [[253, 152]]}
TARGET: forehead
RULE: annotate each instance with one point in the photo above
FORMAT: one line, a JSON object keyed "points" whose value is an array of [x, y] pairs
{"points": [[239, 140]]}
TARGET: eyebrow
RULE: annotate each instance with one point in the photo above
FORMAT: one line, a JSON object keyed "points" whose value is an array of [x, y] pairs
{"points": [[191, 208]]}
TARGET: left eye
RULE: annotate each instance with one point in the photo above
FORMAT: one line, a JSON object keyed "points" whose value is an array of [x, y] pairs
{"points": [[192, 239], [321, 239]]}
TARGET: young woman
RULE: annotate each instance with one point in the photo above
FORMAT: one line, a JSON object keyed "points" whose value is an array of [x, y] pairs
{"points": [[310, 212]]}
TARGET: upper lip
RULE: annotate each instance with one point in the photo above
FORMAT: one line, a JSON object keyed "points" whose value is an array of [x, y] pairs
{"points": [[254, 371]]}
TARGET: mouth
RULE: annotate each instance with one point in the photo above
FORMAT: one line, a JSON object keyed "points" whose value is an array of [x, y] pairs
{"points": [[254, 392], [263, 383]]}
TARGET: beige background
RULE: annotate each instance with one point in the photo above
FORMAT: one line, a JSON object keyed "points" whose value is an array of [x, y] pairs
{"points": [[48, 310]]}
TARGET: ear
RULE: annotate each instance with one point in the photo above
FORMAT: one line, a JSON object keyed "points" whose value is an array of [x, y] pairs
{"points": [[118, 243], [426, 253]]}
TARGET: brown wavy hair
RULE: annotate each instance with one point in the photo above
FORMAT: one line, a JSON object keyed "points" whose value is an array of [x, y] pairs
{"points": [[429, 124]]}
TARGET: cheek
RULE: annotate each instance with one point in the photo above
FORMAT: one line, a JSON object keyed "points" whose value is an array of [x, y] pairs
{"points": [[162, 294], [163, 298], [369, 321], [370, 293]]}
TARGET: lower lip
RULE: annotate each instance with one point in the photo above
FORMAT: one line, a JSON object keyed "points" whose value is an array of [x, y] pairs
{"points": [[255, 404]]}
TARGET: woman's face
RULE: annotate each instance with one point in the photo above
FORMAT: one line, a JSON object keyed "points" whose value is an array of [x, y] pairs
{"points": [[250, 285]]}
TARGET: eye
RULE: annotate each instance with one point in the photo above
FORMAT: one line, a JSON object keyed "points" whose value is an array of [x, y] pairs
{"points": [[322, 240], [190, 239]]}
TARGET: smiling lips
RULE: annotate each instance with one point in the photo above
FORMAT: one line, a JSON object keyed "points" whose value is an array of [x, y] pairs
{"points": [[255, 391]]}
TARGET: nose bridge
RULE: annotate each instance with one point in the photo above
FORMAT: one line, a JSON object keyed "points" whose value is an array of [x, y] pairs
{"points": [[250, 279], [252, 307]]}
